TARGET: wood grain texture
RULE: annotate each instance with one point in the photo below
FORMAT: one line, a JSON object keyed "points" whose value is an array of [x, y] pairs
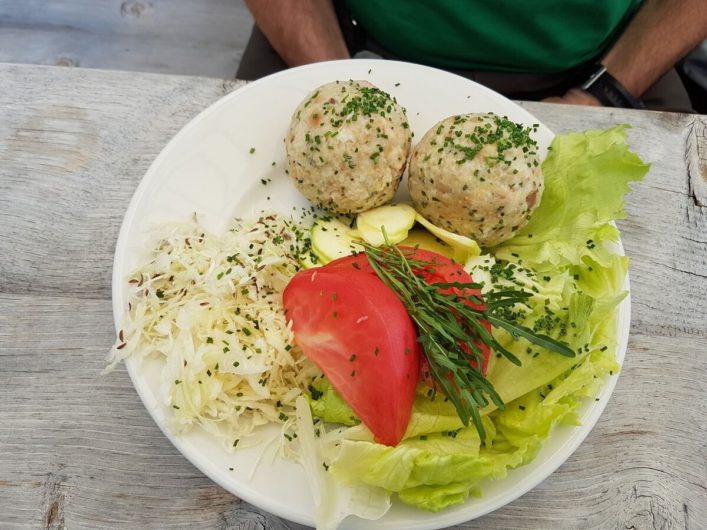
{"points": [[204, 37], [78, 450]]}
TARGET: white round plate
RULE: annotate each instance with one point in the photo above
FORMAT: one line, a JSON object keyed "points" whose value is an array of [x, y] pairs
{"points": [[208, 168]]}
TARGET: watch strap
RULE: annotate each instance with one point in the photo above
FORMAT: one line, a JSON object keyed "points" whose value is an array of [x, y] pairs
{"points": [[607, 89]]}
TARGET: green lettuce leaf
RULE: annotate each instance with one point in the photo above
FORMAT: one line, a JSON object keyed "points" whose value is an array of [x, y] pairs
{"points": [[328, 405], [428, 415], [586, 176], [437, 470]]}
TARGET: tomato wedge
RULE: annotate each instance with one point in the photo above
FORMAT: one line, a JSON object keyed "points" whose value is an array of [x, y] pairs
{"points": [[359, 334], [442, 270]]}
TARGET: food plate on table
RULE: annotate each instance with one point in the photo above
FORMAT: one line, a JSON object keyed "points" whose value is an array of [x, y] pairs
{"points": [[230, 162]]}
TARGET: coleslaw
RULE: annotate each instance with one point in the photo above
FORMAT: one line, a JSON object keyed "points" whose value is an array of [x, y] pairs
{"points": [[210, 306]]}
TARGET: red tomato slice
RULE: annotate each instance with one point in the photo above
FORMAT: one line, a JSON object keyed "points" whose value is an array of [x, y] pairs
{"points": [[359, 334], [444, 270]]}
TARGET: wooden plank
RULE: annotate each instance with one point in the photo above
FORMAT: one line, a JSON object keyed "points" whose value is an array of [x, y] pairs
{"points": [[143, 54], [177, 36], [78, 450], [204, 20]]}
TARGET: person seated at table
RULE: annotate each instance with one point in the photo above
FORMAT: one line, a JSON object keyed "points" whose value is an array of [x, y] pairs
{"points": [[588, 52]]}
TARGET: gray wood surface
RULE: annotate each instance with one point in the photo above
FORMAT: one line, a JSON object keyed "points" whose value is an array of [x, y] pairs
{"points": [[78, 450], [191, 37]]}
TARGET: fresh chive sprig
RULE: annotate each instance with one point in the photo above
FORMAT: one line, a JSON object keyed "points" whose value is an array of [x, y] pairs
{"points": [[450, 329]]}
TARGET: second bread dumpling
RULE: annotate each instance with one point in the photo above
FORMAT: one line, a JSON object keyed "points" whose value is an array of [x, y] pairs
{"points": [[477, 175]]}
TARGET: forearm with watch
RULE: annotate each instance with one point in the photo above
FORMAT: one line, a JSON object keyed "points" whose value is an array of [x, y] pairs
{"points": [[660, 34]]}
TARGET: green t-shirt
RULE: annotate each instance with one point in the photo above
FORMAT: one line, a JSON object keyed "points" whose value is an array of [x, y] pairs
{"points": [[501, 35]]}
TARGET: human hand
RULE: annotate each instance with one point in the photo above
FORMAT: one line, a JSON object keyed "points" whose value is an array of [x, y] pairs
{"points": [[575, 96]]}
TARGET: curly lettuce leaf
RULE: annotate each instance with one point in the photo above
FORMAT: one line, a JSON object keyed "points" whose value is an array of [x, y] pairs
{"points": [[586, 176], [434, 471]]}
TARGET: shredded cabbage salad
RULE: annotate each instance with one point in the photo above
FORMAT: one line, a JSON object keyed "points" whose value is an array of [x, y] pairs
{"points": [[211, 307]]}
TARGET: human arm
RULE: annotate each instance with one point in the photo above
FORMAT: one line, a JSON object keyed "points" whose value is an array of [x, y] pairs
{"points": [[661, 33], [301, 31]]}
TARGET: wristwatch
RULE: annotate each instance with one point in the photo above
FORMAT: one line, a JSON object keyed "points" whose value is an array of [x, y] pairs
{"points": [[607, 89]]}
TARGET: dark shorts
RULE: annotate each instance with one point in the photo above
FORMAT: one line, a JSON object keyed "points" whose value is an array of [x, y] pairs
{"points": [[668, 93]]}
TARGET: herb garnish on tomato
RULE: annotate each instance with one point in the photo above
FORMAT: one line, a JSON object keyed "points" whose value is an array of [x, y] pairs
{"points": [[436, 270], [450, 322]]}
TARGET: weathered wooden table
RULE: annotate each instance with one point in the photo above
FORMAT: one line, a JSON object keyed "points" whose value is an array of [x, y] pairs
{"points": [[78, 450]]}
